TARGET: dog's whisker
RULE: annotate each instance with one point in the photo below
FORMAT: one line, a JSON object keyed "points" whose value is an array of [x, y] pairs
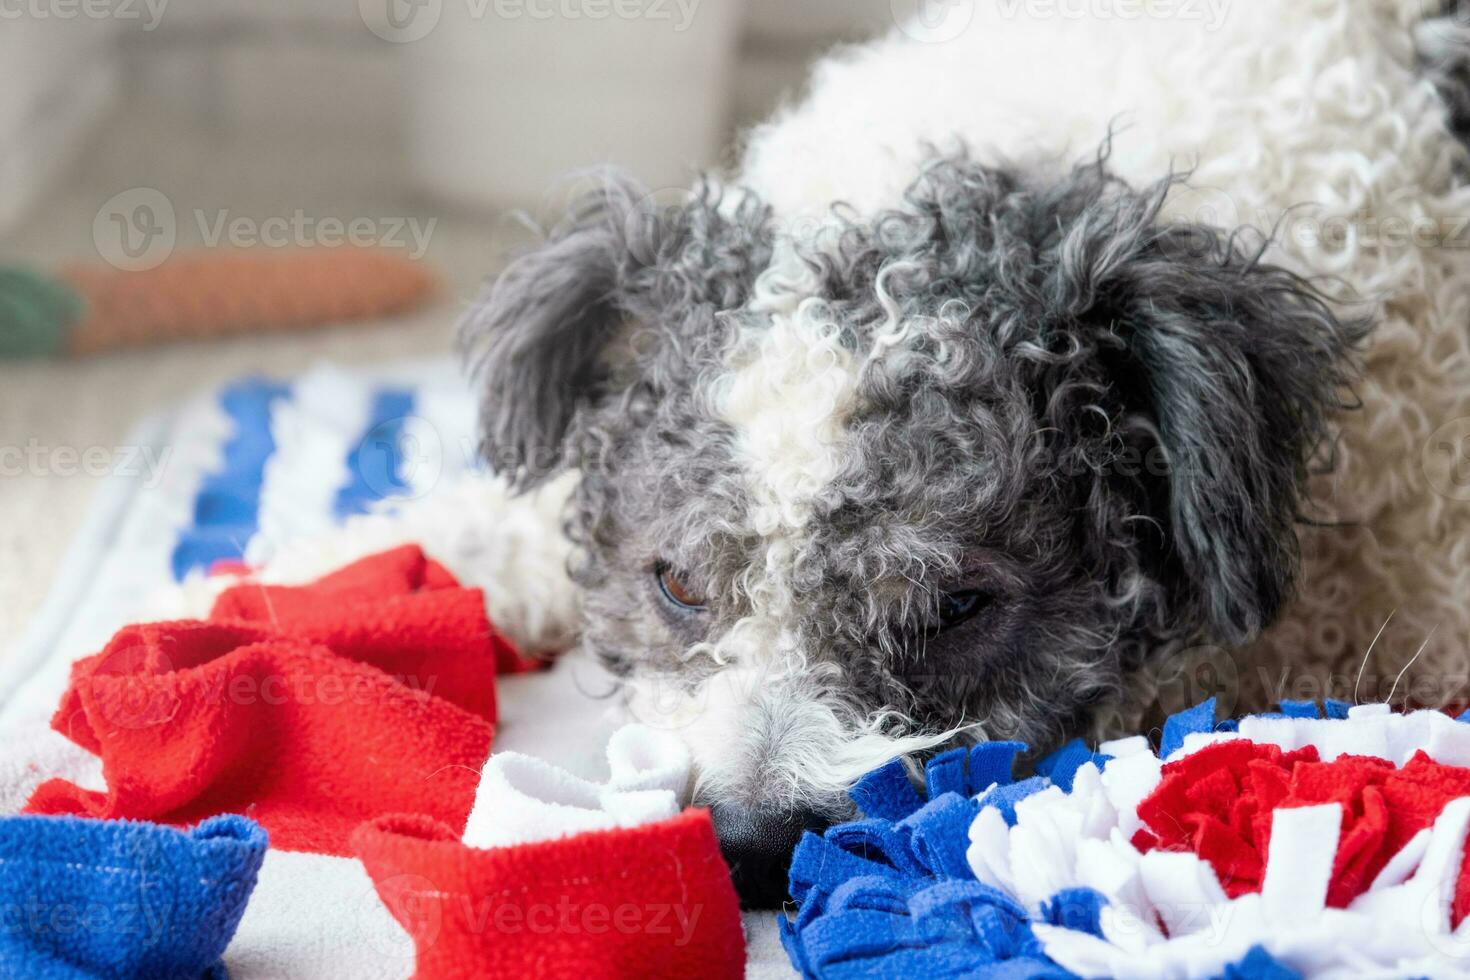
{"points": [[1358, 683], [1415, 657]]}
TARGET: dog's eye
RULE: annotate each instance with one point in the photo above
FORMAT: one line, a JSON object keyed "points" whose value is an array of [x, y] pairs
{"points": [[674, 589], [956, 607]]}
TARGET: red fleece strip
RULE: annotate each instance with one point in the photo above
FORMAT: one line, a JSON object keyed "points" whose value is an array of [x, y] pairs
{"points": [[644, 902], [308, 709], [1217, 803]]}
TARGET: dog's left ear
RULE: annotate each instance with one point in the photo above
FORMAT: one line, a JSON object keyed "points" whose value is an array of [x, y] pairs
{"points": [[535, 340], [621, 271], [1236, 365]]}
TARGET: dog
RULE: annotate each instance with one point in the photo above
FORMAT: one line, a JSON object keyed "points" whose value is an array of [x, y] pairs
{"points": [[1027, 352]]}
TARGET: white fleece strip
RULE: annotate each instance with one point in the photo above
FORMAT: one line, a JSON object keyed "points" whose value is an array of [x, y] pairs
{"points": [[1370, 729], [523, 799], [1303, 845], [314, 433], [1399, 927]]}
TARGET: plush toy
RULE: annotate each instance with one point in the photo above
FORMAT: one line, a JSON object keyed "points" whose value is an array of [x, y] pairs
{"points": [[88, 309]]}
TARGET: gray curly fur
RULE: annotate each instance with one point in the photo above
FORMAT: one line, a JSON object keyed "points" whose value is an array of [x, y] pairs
{"points": [[1105, 424], [1443, 47]]}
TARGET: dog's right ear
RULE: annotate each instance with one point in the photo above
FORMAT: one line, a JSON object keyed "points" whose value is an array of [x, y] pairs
{"points": [[535, 340]]}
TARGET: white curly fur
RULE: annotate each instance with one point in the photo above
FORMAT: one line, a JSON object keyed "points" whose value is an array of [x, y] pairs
{"points": [[787, 394], [1308, 116]]}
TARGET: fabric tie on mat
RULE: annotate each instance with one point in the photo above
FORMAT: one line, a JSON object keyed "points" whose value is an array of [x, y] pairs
{"points": [[523, 799], [1218, 803], [310, 709], [388, 609], [893, 895], [558, 876], [87, 899], [1303, 842], [651, 901], [1268, 860]]}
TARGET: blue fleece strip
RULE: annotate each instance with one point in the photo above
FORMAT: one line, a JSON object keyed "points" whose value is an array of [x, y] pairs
{"points": [[1258, 964], [993, 762], [1004, 798], [115, 898], [1200, 718], [886, 792], [1079, 909], [948, 773], [226, 509], [893, 895], [1061, 766], [375, 465]]}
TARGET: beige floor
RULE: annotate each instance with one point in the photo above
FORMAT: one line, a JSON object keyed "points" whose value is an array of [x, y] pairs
{"points": [[75, 405]]}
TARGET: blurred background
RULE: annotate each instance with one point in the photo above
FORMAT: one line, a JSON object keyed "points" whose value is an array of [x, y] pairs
{"points": [[139, 136]]}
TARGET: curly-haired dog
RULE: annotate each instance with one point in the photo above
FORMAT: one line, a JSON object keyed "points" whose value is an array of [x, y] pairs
{"points": [[915, 429]]}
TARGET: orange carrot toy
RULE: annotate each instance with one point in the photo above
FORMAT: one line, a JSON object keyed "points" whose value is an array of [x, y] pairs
{"points": [[93, 308]]}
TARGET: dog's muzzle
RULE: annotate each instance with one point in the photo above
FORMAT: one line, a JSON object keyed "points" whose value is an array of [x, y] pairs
{"points": [[757, 844]]}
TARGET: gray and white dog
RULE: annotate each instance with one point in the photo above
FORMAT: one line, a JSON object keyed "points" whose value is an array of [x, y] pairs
{"points": [[908, 432]]}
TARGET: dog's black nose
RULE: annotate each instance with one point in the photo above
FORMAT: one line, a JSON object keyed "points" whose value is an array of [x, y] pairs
{"points": [[757, 843]]}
